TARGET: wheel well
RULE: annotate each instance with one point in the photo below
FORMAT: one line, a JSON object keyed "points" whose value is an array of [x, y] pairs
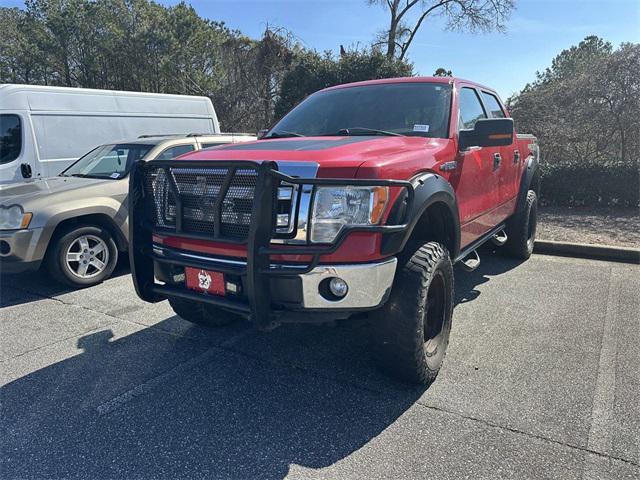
{"points": [[535, 183], [438, 225], [99, 219]]}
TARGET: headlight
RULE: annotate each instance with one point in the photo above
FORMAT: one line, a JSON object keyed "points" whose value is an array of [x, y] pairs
{"points": [[14, 218], [337, 207]]}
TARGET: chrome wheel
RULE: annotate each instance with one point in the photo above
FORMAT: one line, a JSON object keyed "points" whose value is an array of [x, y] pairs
{"points": [[87, 256]]}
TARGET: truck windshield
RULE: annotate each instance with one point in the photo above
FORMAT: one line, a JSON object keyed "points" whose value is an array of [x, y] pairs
{"points": [[108, 161], [417, 109], [10, 138]]}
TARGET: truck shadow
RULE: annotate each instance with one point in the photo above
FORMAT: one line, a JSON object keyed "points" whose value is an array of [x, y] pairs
{"points": [[227, 403], [17, 289]]}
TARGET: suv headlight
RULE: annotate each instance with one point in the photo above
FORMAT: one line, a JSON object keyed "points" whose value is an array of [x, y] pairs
{"points": [[14, 218], [337, 207]]}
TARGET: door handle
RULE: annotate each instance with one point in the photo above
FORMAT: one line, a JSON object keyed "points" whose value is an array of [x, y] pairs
{"points": [[516, 156], [497, 160]]}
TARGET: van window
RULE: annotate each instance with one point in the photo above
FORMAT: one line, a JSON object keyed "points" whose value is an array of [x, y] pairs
{"points": [[10, 138], [493, 105], [173, 152], [471, 109]]}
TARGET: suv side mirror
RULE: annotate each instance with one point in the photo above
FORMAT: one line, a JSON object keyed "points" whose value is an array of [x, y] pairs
{"points": [[262, 133], [487, 132]]}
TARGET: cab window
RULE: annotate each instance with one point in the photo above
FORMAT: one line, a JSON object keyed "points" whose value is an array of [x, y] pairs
{"points": [[173, 152], [471, 109], [10, 138], [492, 103]]}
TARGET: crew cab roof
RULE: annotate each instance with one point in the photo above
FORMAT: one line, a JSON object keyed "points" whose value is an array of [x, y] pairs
{"points": [[445, 80]]}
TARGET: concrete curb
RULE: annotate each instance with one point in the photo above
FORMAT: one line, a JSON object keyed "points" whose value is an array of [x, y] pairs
{"points": [[583, 250]]}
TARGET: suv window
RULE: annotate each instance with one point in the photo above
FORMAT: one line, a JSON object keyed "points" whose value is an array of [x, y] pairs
{"points": [[108, 161], [173, 152], [493, 105], [209, 145], [10, 138], [471, 109]]}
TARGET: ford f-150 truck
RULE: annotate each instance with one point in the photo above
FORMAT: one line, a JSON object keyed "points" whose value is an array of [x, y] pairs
{"points": [[358, 202]]}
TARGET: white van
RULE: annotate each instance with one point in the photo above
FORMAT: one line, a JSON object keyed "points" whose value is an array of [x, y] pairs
{"points": [[45, 129]]}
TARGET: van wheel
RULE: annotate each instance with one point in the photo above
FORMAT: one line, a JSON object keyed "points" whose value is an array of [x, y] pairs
{"points": [[410, 334], [83, 256], [202, 313], [521, 229]]}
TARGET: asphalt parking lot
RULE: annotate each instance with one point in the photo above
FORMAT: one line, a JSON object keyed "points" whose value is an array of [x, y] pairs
{"points": [[541, 380]]}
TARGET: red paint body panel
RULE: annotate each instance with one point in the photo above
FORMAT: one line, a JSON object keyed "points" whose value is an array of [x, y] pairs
{"points": [[486, 196]]}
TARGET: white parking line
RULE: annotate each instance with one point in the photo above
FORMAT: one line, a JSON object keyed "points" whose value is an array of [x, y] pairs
{"points": [[602, 410]]}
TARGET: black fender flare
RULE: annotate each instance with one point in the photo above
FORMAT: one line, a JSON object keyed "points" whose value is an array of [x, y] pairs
{"points": [[529, 174], [429, 188]]}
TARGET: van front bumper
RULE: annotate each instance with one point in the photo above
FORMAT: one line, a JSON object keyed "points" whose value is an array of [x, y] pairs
{"points": [[21, 250]]}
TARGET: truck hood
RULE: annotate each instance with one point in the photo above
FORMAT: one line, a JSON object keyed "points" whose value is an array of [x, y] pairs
{"points": [[337, 157], [50, 190]]}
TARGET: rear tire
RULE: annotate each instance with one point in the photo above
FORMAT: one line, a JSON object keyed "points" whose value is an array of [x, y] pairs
{"points": [[521, 229], [410, 333], [82, 256], [202, 313]]}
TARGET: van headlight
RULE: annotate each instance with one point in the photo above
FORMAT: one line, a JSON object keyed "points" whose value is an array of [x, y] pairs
{"points": [[335, 208], [14, 218]]}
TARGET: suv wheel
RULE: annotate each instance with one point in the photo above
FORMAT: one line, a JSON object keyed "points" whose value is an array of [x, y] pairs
{"points": [[521, 229], [202, 313], [410, 333], [83, 256]]}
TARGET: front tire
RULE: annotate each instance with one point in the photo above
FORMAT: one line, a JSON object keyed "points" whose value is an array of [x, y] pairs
{"points": [[202, 313], [521, 229], [410, 334], [83, 256]]}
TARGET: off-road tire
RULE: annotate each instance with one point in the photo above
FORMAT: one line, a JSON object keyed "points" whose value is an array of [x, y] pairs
{"points": [[59, 268], [421, 303], [202, 313], [521, 229]]}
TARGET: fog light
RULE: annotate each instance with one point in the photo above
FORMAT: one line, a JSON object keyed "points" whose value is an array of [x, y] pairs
{"points": [[338, 287]]}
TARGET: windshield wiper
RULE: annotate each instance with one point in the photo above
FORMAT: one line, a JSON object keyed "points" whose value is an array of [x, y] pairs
{"points": [[86, 175], [283, 134], [367, 131]]}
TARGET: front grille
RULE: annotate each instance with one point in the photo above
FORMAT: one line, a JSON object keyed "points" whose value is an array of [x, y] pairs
{"points": [[199, 191]]}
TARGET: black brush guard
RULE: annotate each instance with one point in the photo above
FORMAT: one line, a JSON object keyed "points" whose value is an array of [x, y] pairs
{"points": [[262, 229]]}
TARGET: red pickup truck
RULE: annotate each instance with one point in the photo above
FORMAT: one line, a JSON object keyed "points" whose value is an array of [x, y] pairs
{"points": [[358, 202]]}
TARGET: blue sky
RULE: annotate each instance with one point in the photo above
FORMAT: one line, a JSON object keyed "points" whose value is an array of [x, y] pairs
{"points": [[538, 30]]}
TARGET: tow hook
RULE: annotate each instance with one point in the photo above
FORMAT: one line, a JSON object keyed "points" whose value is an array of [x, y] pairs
{"points": [[471, 261], [500, 238]]}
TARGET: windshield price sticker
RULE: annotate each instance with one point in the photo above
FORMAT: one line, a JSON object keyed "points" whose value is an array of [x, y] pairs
{"points": [[420, 128]]}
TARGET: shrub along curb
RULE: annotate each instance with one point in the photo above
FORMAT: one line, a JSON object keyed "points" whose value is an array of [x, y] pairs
{"points": [[583, 250]]}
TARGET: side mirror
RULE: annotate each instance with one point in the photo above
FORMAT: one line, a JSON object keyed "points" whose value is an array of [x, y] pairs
{"points": [[487, 132], [262, 133]]}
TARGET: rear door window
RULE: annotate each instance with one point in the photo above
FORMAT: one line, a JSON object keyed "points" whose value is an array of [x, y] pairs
{"points": [[471, 109], [10, 138], [492, 103], [173, 152]]}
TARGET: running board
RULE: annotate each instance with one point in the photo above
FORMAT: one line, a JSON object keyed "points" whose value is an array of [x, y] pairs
{"points": [[471, 262], [500, 238]]}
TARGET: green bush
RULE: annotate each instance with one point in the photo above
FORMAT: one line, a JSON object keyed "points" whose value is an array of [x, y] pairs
{"points": [[590, 183]]}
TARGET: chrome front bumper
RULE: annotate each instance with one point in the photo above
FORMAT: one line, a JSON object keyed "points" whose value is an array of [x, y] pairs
{"points": [[369, 284]]}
